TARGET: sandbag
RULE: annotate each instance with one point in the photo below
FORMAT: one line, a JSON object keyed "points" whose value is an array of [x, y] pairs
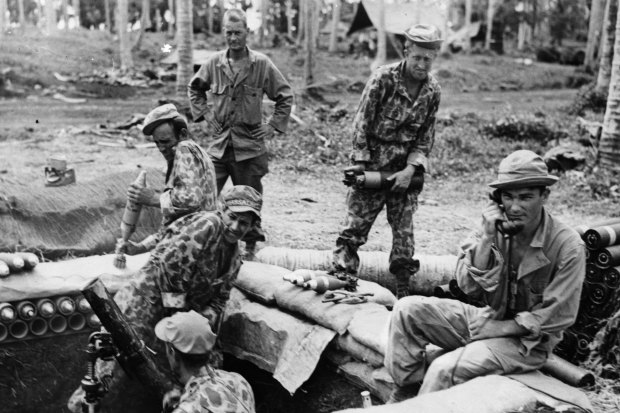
{"points": [[374, 266], [308, 303], [79, 219], [69, 277], [260, 281], [369, 326], [473, 396], [273, 340], [357, 350]]}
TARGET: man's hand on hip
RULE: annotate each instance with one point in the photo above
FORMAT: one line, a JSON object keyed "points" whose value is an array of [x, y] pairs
{"points": [[215, 125], [264, 131], [482, 328]]}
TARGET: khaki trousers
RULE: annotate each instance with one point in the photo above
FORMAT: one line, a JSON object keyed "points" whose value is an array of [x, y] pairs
{"points": [[417, 321]]}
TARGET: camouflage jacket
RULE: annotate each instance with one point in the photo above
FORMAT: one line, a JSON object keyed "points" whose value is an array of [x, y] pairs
{"points": [[216, 391], [392, 130], [190, 184], [237, 102], [194, 266]]}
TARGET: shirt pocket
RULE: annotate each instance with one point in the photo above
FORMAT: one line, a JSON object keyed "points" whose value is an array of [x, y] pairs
{"points": [[391, 118], [251, 105], [220, 99]]}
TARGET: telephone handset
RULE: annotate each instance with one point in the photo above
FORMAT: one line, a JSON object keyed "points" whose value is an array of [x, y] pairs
{"points": [[505, 227]]}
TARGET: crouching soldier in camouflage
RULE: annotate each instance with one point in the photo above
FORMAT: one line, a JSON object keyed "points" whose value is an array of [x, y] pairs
{"points": [[189, 340], [191, 268], [394, 132], [190, 177]]}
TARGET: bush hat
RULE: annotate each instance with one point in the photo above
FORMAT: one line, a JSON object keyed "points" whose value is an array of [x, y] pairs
{"points": [[426, 36], [243, 198], [160, 115], [522, 169], [189, 332]]}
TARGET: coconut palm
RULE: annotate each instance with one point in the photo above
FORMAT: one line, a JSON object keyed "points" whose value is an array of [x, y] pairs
{"points": [[609, 147], [333, 37], [607, 46], [50, 17], [597, 12], [185, 64], [3, 25], [123, 35]]}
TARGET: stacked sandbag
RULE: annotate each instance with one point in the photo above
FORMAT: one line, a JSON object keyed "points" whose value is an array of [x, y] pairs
{"points": [[16, 262], [374, 266], [600, 290]]}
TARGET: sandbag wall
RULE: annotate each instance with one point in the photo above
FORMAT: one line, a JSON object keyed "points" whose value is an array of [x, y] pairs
{"points": [[599, 298]]}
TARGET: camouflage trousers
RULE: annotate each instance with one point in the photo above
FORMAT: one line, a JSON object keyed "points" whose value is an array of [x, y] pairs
{"points": [[363, 206]]}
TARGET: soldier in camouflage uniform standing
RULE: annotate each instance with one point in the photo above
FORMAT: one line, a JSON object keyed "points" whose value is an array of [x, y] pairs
{"points": [[190, 176], [189, 340], [192, 268], [394, 132]]}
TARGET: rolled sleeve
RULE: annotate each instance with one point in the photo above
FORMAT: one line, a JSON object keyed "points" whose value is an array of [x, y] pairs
{"points": [[418, 156], [278, 90], [475, 281]]}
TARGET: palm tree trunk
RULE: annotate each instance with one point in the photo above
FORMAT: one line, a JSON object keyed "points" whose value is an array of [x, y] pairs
{"points": [[123, 35], [172, 21], [597, 14], [468, 7], [108, 20], [290, 13], [3, 23], [333, 37], [381, 56], [65, 15], [310, 42], [264, 15], [22, 14], [76, 9], [607, 50], [490, 10], [145, 15], [185, 65], [609, 146], [50, 17]]}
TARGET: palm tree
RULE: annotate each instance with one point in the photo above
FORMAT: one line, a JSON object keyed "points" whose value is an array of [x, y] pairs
{"points": [[50, 17], [333, 38], [609, 146], [3, 7], [22, 15], [607, 47], [123, 35], [108, 19], [597, 12], [185, 65], [381, 56], [310, 41], [490, 11], [145, 15], [76, 10]]}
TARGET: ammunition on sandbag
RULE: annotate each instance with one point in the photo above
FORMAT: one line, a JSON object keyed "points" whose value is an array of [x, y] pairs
{"points": [[324, 283], [366, 400], [30, 259], [18, 329], [4, 332], [608, 257], [14, 262], [26, 310], [76, 321], [4, 270], [82, 305], [129, 222], [58, 324], [298, 277], [38, 326], [7, 313], [65, 305], [602, 236], [379, 180], [46, 307]]}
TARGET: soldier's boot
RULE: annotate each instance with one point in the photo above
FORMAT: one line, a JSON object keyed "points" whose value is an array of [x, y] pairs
{"points": [[403, 277], [402, 283]]}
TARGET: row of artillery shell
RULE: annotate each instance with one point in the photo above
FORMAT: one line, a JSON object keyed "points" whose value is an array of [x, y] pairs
{"points": [[601, 234], [13, 262], [47, 316]]}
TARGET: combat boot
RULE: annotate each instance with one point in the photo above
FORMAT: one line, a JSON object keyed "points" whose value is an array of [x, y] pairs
{"points": [[402, 283]]}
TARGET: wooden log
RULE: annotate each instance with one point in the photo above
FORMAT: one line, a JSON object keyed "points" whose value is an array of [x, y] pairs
{"points": [[602, 236], [133, 355]]}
